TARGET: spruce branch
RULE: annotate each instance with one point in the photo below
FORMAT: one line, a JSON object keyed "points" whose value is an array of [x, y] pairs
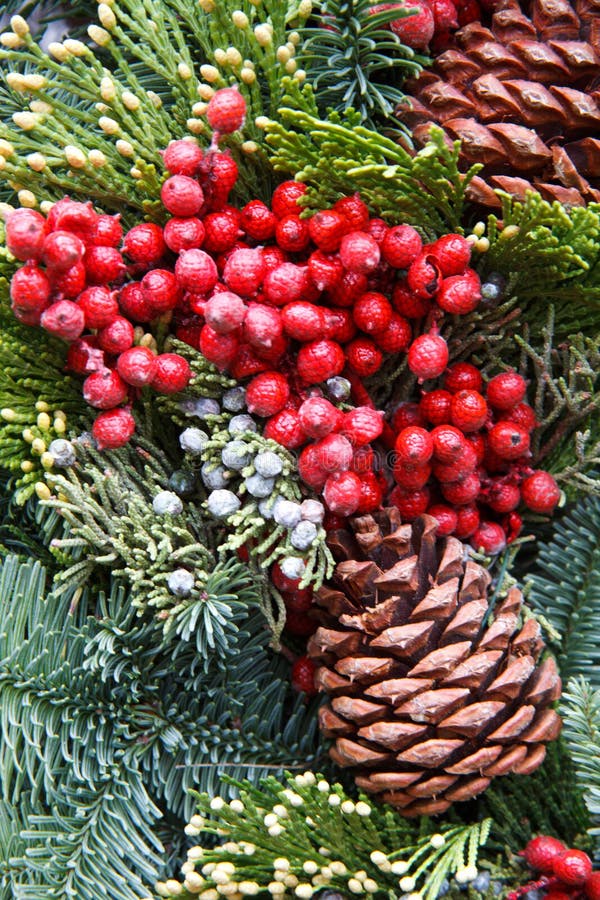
{"points": [[581, 711]]}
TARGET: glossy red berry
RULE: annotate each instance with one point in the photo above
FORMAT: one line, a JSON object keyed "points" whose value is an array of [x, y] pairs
{"points": [[183, 234], [134, 304], [435, 406], [62, 250], [103, 265], [364, 357], [396, 337], [117, 336], [502, 497], [267, 394], [401, 246], [319, 361], [489, 538], [69, 215], [464, 464], [414, 445], [372, 313], [371, 494], [460, 492], [445, 20], [285, 428], [467, 520], [572, 867], [333, 453], [410, 504], [408, 303], [508, 441], [222, 349], [161, 289], [318, 417], [363, 459], [463, 377], [171, 374], [452, 252], [292, 234], [325, 270], [220, 179], [30, 289], [448, 443], [342, 493], [64, 319], [522, 414], [183, 157], [310, 469], [113, 429], [225, 312], [286, 283], [347, 291], [182, 196], [137, 366], [424, 277], [303, 321], [354, 210], [506, 390], [446, 518], [411, 477], [428, 356], [84, 356], [359, 252], [592, 886], [468, 411], [415, 30], [246, 363], [540, 493], [303, 676], [362, 425], [407, 414], [226, 110], [339, 325], [300, 600], [244, 271], [258, 221], [71, 283], [26, 231], [460, 294], [327, 227], [99, 306], [195, 271], [299, 624], [105, 389], [285, 198], [145, 244]]}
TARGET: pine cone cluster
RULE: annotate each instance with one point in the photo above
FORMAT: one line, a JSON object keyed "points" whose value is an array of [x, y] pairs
{"points": [[431, 693], [523, 97]]}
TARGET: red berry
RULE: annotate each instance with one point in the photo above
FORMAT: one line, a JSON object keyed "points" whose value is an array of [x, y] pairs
{"points": [[364, 357], [267, 394], [26, 231], [522, 414], [463, 377], [325, 270], [103, 265], [411, 478], [410, 503], [64, 319], [30, 289], [460, 492], [221, 231], [339, 325], [468, 411], [372, 312], [221, 178], [161, 289], [303, 676], [104, 390], [445, 20], [299, 624], [303, 321], [424, 277], [506, 390], [145, 243], [408, 303], [319, 417], [70, 283], [489, 538], [435, 406], [333, 453], [113, 429], [183, 157], [300, 600], [452, 253], [285, 198], [371, 494], [310, 469], [407, 414], [401, 246], [137, 366], [172, 373], [363, 460], [592, 886], [362, 425], [78, 218], [183, 234], [414, 30], [226, 111], [246, 363], [62, 250], [464, 464], [414, 445], [477, 442], [84, 356], [428, 356], [347, 291], [396, 337], [460, 294], [117, 336], [134, 304], [540, 493], [448, 443], [572, 867], [292, 234], [342, 493], [512, 525], [244, 271], [319, 361], [467, 520], [446, 518], [221, 349], [282, 582], [359, 252], [99, 306], [327, 228], [354, 210], [225, 312], [258, 221], [508, 441], [182, 196], [502, 498], [285, 428], [285, 284], [195, 271]]}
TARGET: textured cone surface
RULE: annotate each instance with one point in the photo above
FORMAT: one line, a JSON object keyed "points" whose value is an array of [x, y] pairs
{"points": [[524, 98], [430, 695]]}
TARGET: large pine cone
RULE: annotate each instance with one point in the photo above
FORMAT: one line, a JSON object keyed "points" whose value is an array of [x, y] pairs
{"points": [[431, 695], [523, 97]]}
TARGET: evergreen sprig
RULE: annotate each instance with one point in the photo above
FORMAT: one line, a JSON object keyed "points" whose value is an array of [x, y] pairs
{"points": [[581, 712]]}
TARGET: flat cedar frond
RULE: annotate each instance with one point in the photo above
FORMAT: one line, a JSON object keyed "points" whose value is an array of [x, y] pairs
{"points": [[581, 711]]}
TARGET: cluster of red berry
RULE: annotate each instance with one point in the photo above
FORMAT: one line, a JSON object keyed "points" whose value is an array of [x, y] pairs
{"points": [[566, 873], [432, 23], [462, 455]]}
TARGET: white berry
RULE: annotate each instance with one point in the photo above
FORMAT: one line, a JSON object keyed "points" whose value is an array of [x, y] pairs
{"points": [[303, 535], [268, 464], [258, 486], [166, 502], [181, 582], [193, 440], [239, 424], [222, 503], [235, 455], [214, 477], [312, 511], [234, 400], [287, 513], [62, 452], [292, 567]]}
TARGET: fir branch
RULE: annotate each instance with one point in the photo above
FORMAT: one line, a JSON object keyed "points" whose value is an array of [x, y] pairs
{"points": [[581, 711], [565, 588]]}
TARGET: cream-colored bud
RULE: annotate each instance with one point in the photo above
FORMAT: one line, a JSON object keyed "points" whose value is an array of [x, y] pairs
{"points": [[283, 54], [161, 889], [47, 460], [173, 887], [305, 9], [193, 882], [210, 894], [75, 157], [248, 888], [407, 884], [34, 82], [240, 19], [2, 163], [510, 231], [60, 426], [196, 126], [10, 40], [42, 490], [8, 414], [27, 199], [290, 881], [355, 886], [370, 885], [199, 109], [399, 867], [479, 229], [276, 888], [108, 125], [106, 16], [196, 852], [207, 6], [6, 148], [19, 26], [362, 808], [248, 76], [97, 158], [249, 147], [136, 173], [291, 66], [264, 35], [27, 466], [38, 446], [99, 35], [234, 57], [261, 122], [184, 71], [205, 91], [77, 48], [16, 82], [154, 99], [108, 90], [209, 73], [40, 106], [45, 207], [58, 51], [187, 867], [294, 38], [248, 64], [125, 148], [102, 107], [220, 56], [60, 414]]}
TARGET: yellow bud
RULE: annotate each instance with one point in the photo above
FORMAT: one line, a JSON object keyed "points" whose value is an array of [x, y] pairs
{"points": [[46, 206], [510, 231], [9, 415], [136, 173], [291, 66], [154, 99], [479, 229], [59, 426], [6, 148], [220, 56], [207, 6], [300, 75], [99, 35], [283, 54], [41, 406], [58, 51], [239, 19], [108, 90], [27, 199], [59, 414], [294, 38], [125, 148], [43, 421], [34, 82], [106, 16], [130, 100], [248, 64], [248, 76], [482, 245], [196, 126], [11, 40], [38, 446], [174, 888], [40, 106], [234, 57], [263, 34], [305, 9], [19, 26], [209, 73], [16, 82], [261, 122], [2, 163], [27, 466], [184, 71], [42, 490], [205, 91], [75, 157], [102, 107], [198, 109], [47, 460], [26, 120], [108, 125], [5, 210], [97, 158], [77, 48], [148, 340], [249, 146]]}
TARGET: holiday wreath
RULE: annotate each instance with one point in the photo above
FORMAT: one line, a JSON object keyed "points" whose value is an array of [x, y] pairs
{"points": [[299, 447]]}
